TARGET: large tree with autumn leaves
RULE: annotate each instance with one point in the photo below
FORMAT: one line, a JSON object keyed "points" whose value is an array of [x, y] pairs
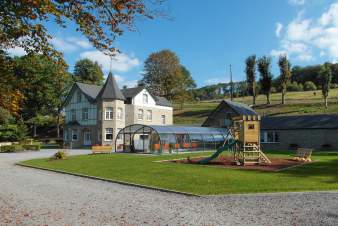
{"points": [[22, 22]]}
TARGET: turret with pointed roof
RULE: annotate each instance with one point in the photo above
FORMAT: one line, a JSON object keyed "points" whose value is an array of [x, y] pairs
{"points": [[110, 90]]}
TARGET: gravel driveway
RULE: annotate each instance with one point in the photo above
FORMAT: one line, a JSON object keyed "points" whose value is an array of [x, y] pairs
{"points": [[30, 196]]}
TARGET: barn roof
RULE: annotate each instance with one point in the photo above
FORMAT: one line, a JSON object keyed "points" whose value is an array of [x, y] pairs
{"points": [[241, 109], [300, 122]]}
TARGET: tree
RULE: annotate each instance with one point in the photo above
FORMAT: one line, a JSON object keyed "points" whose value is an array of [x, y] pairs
{"points": [[250, 71], [44, 84], [184, 89], [10, 96], [162, 73], [325, 75], [22, 23], [285, 74], [309, 86], [87, 71], [265, 76]]}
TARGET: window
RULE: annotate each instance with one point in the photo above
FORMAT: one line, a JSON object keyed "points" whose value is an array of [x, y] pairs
{"points": [[73, 114], [85, 114], [163, 119], [74, 134], [109, 114], [149, 115], [79, 97], [145, 98], [140, 114], [251, 126], [119, 113], [109, 134], [269, 137], [66, 136]]}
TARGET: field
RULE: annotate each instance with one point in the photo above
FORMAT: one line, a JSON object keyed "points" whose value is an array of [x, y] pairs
{"points": [[198, 179], [297, 103]]}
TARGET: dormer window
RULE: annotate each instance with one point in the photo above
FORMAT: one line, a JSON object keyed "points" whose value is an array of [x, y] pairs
{"points": [[79, 97], [145, 98]]}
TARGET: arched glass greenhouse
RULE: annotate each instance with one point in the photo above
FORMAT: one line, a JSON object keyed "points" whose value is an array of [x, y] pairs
{"points": [[168, 139]]}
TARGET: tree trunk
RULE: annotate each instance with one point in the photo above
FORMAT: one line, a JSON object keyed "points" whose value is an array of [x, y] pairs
{"points": [[254, 100], [268, 98], [325, 99], [34, 130], [283, 96], [58, 126]]}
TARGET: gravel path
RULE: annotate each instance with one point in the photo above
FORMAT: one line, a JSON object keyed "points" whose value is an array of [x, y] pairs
{"points": [[30, 196]]}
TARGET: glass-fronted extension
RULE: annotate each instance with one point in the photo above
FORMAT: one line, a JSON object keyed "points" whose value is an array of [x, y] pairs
{"points": [[168, 139]]}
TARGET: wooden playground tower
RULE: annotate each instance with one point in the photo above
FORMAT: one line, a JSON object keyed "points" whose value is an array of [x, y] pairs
{"points": [[246, 130]]}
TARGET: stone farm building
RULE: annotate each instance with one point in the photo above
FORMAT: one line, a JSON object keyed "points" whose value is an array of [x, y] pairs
{"points": [[309, 131], [284, 132], [95, 114]]}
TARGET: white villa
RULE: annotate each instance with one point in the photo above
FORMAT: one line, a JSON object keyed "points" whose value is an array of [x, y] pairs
{"points": [[95, 114]]}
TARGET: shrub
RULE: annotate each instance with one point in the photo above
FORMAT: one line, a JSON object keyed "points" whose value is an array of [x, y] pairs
{"points": [[294, 87], [32, 147], [309, 86], [13, 131], [326, 147], [59, 155], [11, 148]]}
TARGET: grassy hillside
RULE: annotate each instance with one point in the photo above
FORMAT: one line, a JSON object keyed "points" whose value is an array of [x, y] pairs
{"points": [[297, 103]]}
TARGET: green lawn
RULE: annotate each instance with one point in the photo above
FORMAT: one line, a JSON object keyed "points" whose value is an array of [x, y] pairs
{"points": [[297, 103], [204, 180]]}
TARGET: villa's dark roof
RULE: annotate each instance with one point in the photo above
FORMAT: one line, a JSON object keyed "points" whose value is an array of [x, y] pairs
{"points": [[240, 108], [110, 90], [162, 101], [93, 92], [132, 92], [90, 90], [300, 122]]}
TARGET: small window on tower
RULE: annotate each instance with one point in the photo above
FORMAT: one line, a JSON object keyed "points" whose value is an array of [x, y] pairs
{"points": [[251, 126]]}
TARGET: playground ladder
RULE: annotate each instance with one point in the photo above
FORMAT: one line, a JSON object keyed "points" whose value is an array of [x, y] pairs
{"points": [[252, 154]]}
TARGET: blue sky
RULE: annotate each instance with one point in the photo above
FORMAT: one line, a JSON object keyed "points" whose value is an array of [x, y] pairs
{"points": [[208, 37]]}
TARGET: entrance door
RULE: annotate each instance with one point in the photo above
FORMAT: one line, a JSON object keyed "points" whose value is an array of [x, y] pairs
{"points": [[87, 138]]}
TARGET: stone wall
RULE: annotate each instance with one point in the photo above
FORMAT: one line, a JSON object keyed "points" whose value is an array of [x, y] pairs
{"points": [[306, 138]]}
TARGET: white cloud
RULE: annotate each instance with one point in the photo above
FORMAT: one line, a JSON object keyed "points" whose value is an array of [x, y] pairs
{"points": [[213, 81], [70, 44], [279, 28], [124, 82], [121, 62], [296, 2], [305, 36], [16, 51]]}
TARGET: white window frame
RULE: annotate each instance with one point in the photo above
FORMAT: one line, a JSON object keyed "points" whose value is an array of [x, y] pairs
{"points": [[163, 119], [65, 135], [76, 133], [119, 113], [140, 114], [149, 115], [108, 113], [264, 135], [145, 98], [111, 131], [85, 112], [73, 113]]}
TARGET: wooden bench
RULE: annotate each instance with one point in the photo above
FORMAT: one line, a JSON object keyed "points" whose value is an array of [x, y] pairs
{"points": [[101, 149], [303, 154]]}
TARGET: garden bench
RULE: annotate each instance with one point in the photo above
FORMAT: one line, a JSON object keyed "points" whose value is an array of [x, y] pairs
{"points": [[101, 149], [303, 154]]}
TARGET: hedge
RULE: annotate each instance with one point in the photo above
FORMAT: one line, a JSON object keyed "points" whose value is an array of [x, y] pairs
{"points": [[31, 147], [11, 148]]}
